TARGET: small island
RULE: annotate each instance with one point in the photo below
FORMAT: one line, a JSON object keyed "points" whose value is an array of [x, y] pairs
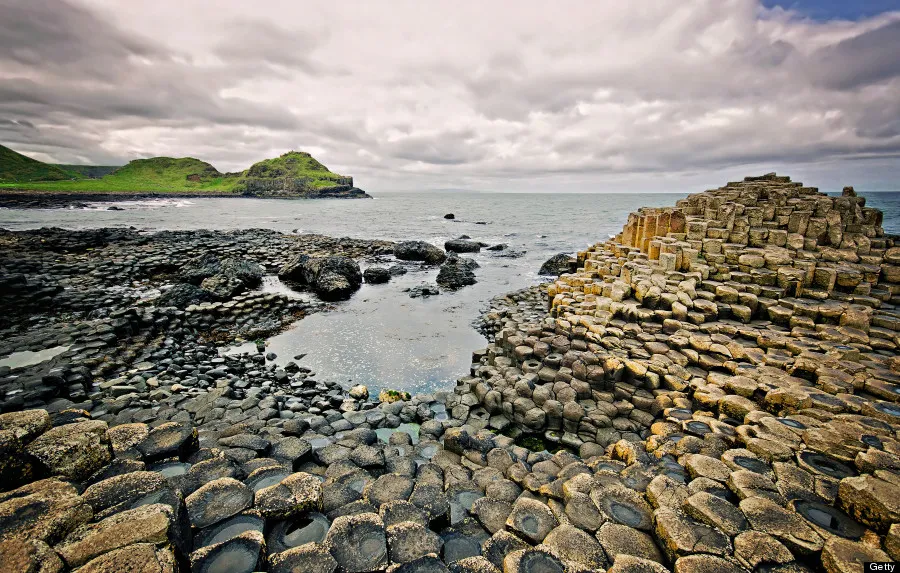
{"points": [[25, 181]]}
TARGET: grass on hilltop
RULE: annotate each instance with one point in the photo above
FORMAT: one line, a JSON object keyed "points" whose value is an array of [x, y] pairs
{"points": [[166, 174], [15, 167]]}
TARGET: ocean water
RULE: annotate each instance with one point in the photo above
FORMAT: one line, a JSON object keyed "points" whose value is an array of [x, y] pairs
{"points": [[381, 337]]}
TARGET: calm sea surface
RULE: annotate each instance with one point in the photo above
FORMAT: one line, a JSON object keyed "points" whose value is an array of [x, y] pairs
{"points": [[381, 337]]}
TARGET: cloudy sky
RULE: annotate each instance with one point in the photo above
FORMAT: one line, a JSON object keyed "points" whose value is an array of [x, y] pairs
{"points": [[643, 95]]}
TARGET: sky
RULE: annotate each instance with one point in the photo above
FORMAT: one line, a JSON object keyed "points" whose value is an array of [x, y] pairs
{"points": [[517, 95]]}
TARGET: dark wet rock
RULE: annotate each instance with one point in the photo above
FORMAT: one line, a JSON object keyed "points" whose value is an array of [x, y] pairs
{"points": [[291, 450], [422, 291], [295, 494], [243, 553], [171, 439], [217, 500], [358, 543], [377, 275], [332, 278], [457, 272], [462, 246], [74, 451], [432, 501], [311, 558], [183, 295], [556, 265], [419, 251]]}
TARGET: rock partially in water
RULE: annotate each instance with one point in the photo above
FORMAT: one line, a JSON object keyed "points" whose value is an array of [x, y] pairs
{"points": [[462, 246], [556, 265], [332, 278], [457, 272], [377, 275], [244, 553], [419, 251]]}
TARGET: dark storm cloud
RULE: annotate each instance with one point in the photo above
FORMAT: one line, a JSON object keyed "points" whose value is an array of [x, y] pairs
{"points": [[450, 94], [871, 57]]}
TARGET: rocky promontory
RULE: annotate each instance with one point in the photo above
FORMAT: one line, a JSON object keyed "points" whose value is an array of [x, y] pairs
{"points": [[714, 389]]}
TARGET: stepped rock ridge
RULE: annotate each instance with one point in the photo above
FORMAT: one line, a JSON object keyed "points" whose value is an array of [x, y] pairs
{"points": [[719, 384]]}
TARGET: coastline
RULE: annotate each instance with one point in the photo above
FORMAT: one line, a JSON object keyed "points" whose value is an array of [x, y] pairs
{"points": [[24, 199], [716, 376]]}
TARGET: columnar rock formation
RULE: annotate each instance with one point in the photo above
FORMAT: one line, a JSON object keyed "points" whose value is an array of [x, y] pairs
{"points": [[750, 328], [726, 371]]}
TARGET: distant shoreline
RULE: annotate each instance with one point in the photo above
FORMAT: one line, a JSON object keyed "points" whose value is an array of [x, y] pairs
{"points": [[24, 199]]}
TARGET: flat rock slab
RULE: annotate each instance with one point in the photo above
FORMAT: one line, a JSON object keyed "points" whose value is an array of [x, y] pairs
{"points": [[217, 500]]}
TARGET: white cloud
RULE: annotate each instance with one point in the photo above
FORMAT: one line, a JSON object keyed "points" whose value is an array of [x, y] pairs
{"points": [[499, 95]]}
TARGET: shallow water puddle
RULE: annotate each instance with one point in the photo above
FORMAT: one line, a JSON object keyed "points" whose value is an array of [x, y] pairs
{"points": [[30, 358]]}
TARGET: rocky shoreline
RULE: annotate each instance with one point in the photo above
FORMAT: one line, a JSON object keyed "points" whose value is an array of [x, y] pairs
{"points": [[15, 199], [715, 389]]}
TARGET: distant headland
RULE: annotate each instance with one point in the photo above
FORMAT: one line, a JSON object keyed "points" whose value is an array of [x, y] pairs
{"points": [[295, 174]]}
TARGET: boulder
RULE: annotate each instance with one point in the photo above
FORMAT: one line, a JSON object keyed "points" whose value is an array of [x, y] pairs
{"points": [[332, 278], [419, 251], [377, 275], [462, 246], [556, 265], [457, 272]]}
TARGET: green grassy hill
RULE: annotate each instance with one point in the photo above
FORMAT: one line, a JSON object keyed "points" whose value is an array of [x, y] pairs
{"points": [[290, 173], [88, 171], [17, 168], [294, 165]]}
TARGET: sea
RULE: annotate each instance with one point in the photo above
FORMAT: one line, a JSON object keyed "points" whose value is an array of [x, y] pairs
{"points": [[381, 337]]}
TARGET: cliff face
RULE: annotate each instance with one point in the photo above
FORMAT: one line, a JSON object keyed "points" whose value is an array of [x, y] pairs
{"points": [[297, 187]]}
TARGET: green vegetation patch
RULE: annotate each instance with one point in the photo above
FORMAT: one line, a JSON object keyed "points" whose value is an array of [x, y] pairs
{"points": [[17, 168], [293, 173]]}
